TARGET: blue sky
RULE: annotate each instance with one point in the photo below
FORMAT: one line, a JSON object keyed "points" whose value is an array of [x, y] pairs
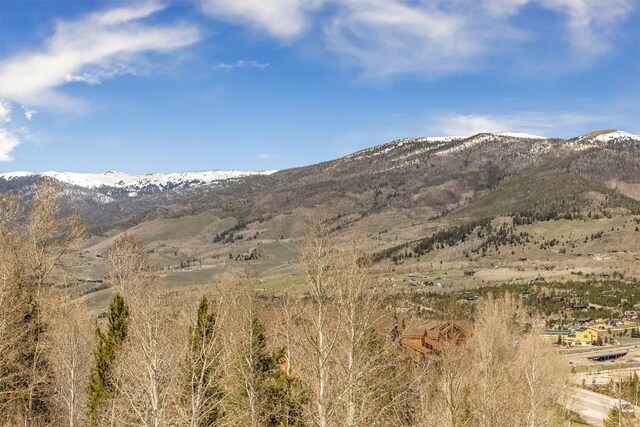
{"points": [[149, 86]]}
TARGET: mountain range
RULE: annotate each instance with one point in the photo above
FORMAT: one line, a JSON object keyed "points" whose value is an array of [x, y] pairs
{"points": [[478, 202], [486, 173]]}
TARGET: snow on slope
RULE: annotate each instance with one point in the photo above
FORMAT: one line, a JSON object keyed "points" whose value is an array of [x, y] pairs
{"points": [[436, 142], [615, 135], [474, 140], [133, 183], [521, 135], [606, 136]]}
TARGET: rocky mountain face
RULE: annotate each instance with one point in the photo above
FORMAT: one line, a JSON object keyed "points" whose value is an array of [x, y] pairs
{"points": [[481, 175]]}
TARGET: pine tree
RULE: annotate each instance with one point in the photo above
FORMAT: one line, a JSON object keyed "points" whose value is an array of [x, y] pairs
{"points": [[287, 393], [101, 384], [281, 396], [203, 393], [618, 418]]}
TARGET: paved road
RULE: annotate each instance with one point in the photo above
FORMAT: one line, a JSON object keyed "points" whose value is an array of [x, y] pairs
{"points": [[593, 407], [600, 352]]}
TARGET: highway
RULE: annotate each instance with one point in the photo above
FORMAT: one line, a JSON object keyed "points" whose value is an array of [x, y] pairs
{"points": [[593, 407], [571, 356]]}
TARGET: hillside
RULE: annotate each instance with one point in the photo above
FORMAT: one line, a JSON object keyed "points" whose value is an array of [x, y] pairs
{"points": [[437, 174], [399, 194]]}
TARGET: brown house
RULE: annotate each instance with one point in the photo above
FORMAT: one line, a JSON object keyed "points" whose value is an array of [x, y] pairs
{"points": [[425, 340]]}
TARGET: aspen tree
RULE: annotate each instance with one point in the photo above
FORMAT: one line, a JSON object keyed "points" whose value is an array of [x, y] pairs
{"points": [[147, 369], [36, 245], [146, 373], [318, 260], [69, 353], [365, 363]]}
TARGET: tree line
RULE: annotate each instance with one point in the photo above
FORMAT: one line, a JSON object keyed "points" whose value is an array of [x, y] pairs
{"points": [[222, 356]]}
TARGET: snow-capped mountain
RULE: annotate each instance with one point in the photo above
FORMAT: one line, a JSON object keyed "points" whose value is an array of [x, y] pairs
{"points": [[119, 184], [438, 172], [611, 137]]}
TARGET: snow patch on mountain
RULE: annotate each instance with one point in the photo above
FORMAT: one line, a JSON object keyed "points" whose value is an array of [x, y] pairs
{"points": [[468, 143], [133, 184], [609, 136], [616, 135], [521, 135], [400, 143]]}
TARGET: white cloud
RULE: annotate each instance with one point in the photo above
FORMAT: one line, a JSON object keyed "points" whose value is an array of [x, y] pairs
{"points": [[280, 18], [29, 113], [99, 46], [243, 64], [591, 23], [388, 37], [265, 156], [96, 75], [539, 123], [503, 7], [8, 142], [5, 111], [425, 37]]}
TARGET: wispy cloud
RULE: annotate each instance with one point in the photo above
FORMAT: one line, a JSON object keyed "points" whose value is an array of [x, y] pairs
{"points": [[591, 23], [395, 37], [99, 46], [98, 74], [8, 142], [265, 156], [539, 123], [285, 19], [5, 112], [226, 66], [29, 113], [425, 37]]}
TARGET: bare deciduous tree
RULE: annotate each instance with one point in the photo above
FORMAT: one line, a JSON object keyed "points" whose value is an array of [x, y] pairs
{"points": [[243, 406], [541, 378], [127, 263], [366, 366], [147, 369], [495, 334], [318, 260], [35, 245], [13, 303], [356, 377], [69, 347], [146, 372]]}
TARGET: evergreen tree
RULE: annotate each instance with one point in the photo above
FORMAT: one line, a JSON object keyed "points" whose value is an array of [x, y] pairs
{"points": [[618, 418], [203, 393], [286, 393], [101, 384], [281, 395]]}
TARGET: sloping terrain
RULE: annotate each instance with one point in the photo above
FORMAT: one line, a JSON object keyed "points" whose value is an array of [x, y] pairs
{"points": [[437, 174], [398, 194]]}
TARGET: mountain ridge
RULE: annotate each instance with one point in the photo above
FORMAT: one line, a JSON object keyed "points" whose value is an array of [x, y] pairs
{"points": [[114, 183], [138, 183], [445, 174]]}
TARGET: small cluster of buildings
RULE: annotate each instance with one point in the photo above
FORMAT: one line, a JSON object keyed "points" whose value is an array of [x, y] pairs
{"points": [[579, 336]]}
